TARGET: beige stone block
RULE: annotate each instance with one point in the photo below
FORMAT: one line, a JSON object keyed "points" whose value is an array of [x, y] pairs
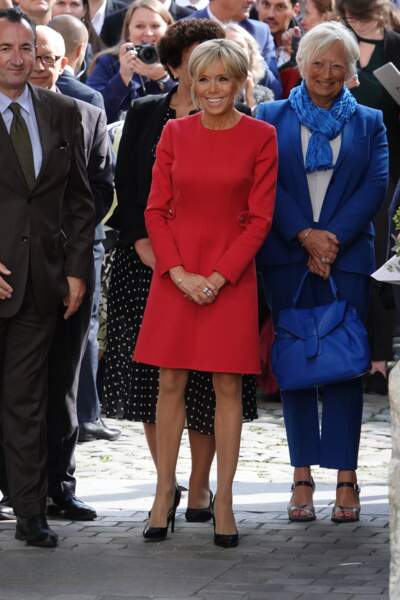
{"points": [[394, 493]]}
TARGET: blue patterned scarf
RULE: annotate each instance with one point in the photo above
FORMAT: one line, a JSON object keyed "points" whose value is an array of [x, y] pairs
{"points": [[324, 124]]}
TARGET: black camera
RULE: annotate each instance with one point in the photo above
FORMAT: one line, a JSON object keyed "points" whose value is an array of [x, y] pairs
{"points": [[146, 52]]}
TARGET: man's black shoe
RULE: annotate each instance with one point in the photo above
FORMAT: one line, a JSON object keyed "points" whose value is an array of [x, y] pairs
{"points": [[6, 510], [35, 531], [71, 508], [97, 431]]}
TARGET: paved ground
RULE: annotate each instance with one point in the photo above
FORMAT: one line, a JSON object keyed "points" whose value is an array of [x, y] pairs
{"points": [[108, 560]]}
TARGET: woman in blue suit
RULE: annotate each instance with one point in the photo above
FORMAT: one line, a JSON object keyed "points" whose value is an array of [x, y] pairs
{"points": [[332, 179]]}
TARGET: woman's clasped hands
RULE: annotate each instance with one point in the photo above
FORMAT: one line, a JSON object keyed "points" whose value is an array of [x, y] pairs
{"points": [[322, 247], [199, 289]]}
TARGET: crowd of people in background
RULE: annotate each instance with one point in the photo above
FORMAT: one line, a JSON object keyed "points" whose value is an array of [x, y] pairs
{"points": [[203, 156]]}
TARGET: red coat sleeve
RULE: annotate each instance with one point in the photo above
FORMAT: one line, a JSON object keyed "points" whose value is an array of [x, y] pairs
{"points": [[159, 204], [261, 202]]}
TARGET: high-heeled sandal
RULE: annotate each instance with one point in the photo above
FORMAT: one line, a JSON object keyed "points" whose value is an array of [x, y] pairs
{"points": [[199, 515], [353, 511], [158, 534], [307, 510], [225, 540]]}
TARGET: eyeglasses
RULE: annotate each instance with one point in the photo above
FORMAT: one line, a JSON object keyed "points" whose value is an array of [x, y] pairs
{"points": [[48, 60]]}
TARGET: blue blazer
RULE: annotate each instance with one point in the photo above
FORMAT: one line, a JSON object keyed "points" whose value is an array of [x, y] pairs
{"points": [[262, 34], [354, 196], [105, 78]]}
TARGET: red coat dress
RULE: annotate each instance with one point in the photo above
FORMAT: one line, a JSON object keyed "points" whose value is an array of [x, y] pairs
{"points": [[210, 209]]}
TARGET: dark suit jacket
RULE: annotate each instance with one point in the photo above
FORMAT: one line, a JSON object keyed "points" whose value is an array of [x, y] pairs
{"points": [[98, 158], [48, 230], [354, 196], [112, 26], [70, 86], [97, 143], [143, 126]]}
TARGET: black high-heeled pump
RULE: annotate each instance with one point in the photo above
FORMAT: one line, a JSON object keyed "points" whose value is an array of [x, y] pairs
{"points": [[158, 534], [225, 540], [199, 515]]}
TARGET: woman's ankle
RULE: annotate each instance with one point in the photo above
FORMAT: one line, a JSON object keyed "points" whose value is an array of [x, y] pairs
{"points": [[347, 475], [199, 494], [302, 474]]}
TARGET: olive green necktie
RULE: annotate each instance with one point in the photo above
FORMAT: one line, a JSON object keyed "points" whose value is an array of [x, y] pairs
{"points": [[22, 144]]}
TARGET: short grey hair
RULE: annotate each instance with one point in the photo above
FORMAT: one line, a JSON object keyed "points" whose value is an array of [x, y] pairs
{"points": [[320, 38], [229, 53], [257, 65]]}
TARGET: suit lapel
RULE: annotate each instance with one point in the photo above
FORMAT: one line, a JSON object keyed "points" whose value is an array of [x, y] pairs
{"points": [[43, 112], [296, 140], [345, 145]]}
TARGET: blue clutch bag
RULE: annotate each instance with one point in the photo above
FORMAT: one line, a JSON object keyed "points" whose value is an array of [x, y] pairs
{"points": [[320, 345]]}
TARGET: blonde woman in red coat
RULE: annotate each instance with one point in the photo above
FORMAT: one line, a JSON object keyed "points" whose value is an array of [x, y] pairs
{"points": [[209, 210]]}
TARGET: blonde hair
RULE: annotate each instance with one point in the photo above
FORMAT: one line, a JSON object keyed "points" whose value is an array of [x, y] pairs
{"points": [[256, 61], [154, 5], [320, 38], [229, 53]]}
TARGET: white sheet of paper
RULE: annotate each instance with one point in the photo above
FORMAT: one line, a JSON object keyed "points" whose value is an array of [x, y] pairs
{"points": [[389, 76], [389, 272]]}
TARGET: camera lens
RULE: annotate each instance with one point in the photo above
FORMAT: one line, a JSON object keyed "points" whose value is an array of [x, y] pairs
{"points": [[147, 54]]}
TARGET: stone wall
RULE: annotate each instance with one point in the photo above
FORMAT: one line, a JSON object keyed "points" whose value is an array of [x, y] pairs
{"points": [[394, 395]]}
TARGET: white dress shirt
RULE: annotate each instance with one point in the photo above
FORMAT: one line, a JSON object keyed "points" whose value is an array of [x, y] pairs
{"points": [[98, 18], [28, 114], [318, 181], [197, 4]]}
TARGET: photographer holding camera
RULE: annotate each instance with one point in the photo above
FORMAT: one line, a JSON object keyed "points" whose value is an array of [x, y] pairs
{"points": [[131, 69]]}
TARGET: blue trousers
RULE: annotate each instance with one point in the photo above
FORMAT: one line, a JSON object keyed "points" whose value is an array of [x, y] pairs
{"points": [[334, 443]]}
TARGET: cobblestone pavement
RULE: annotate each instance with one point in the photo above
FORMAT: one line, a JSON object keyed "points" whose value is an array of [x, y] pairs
{"points": [[276, 560]]}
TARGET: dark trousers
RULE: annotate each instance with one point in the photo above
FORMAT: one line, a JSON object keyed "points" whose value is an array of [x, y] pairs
{"points": [[24, 346], [88, 399], [335, 443], [65, 358]]}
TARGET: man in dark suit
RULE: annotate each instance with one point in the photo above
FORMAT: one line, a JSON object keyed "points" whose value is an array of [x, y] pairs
{"points": [[112, 26], [101, 9], [238, 11], [76, 38], [91, 425], [69, 345], [46, 236]]}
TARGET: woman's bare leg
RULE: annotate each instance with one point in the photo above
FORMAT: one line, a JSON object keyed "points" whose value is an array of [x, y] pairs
{"points": [[150, 433], [202, 448], [170, 420], [228, 427]]}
